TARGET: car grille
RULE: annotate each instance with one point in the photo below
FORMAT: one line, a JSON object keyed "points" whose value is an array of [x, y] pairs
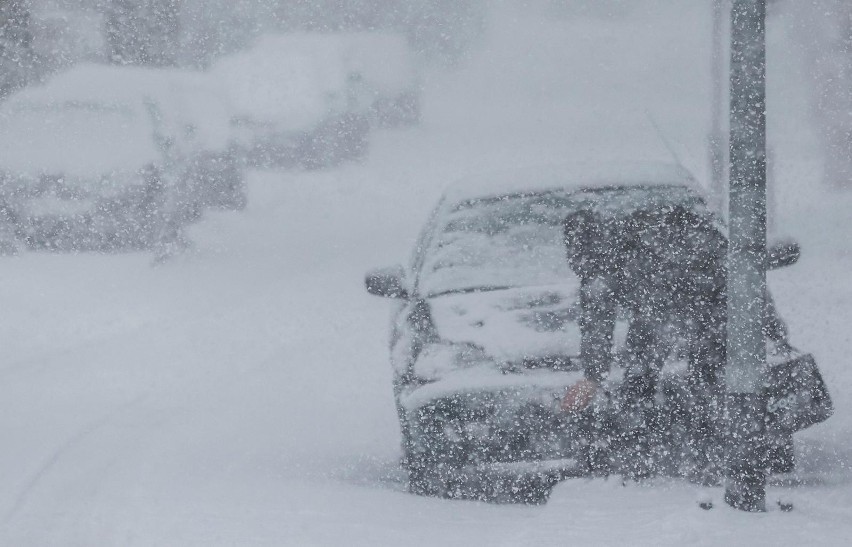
{"points": [[491, 428]]}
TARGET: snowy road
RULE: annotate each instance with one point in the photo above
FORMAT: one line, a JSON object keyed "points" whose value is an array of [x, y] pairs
{"points": [[240, 394]]}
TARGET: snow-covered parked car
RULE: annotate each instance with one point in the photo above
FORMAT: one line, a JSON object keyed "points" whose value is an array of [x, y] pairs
{"points": [[485, 337], [294, 101], [110, 158]]}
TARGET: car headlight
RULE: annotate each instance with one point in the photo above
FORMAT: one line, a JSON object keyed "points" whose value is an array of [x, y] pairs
{"points": [[436, 360]]}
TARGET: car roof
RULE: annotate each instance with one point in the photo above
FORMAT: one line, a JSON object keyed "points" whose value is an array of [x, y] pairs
{"points": [[91, 82], [570, 176], [191, 110], [294, 79]]}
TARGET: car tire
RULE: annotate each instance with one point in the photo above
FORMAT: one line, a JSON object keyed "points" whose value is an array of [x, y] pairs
{"points": [[424, 478]]}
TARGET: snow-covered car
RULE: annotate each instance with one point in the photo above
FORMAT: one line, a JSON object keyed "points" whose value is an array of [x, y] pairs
{"points": [[104, 158], [485, 337], [295, 101]]}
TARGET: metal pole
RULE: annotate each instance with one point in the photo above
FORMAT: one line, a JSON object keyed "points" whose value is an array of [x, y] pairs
{"points": [[717, 141], [745, 462]]}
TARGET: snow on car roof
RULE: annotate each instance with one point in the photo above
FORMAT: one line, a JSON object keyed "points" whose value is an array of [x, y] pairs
{"points": [[76, 140], [94, 118], [570, 176], [190, 106], [90, 82], [295, 78], [80, 123]]}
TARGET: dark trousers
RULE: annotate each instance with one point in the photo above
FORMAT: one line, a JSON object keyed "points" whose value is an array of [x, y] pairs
{"points": [[600, 298]]}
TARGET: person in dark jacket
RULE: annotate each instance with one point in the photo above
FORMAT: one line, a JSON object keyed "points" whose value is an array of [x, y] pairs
{"points": [[662, 268], [616, 272]]}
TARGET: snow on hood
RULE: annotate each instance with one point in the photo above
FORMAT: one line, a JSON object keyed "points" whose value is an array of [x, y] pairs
{"points": [[513, 324]]}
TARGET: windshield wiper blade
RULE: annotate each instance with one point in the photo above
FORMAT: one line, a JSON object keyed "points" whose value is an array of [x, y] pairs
{"points": [[467, 290]]}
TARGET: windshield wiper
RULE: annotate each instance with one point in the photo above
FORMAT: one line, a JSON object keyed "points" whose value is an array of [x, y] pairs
{"points": [[466, 290]]}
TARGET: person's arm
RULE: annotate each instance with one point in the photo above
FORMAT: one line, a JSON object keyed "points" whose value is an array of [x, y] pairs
{"points": [[581, 233], [597, 327]]}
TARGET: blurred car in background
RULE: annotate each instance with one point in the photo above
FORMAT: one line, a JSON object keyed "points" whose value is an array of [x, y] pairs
{"points": [[485, 336], [109, 158], [295, 102]]}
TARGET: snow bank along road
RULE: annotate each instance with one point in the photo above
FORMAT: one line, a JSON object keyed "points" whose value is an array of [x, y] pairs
{"points": [[240, 395]]}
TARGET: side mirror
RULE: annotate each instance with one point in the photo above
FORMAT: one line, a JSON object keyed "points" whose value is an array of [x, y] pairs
{"points": [[387, 282], [782, 254]]}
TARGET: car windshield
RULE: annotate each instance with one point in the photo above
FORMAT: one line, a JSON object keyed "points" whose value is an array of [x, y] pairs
{"points": [[516, 240], [74, 139]]}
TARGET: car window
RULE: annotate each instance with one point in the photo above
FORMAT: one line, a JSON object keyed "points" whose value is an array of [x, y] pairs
{"points": [[516, 240]]}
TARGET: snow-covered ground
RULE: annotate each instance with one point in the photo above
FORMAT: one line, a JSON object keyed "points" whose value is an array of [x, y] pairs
{"points": [[240, 394]]}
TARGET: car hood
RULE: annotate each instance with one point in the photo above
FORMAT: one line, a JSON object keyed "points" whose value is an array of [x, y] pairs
{"points": [[513, 324]]}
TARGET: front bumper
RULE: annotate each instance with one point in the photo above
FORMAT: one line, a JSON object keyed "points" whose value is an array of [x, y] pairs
{"points": [[106, 225], [507, 423]]}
